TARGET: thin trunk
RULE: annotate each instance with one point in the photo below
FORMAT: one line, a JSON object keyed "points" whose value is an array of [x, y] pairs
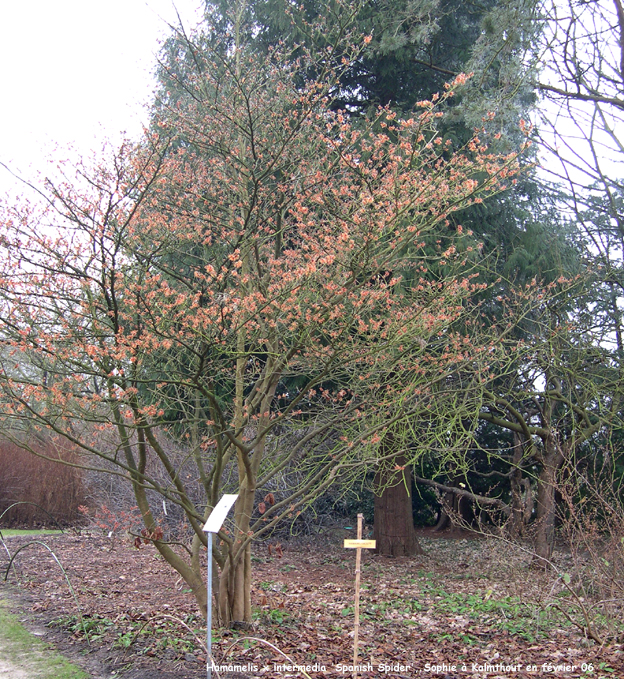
{"points": [[516, 528], [234, 600], [528, 501], [235, 582], [546, 504], [545, 536], [455, 509], [444, 519]]}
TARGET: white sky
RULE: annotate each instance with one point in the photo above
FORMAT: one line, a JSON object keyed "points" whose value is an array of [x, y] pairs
{"points": [[76, 72]]}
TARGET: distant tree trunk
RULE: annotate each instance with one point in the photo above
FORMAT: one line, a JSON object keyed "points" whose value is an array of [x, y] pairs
{"points": [[528, 501], [446, 501], [516, 528], [545, 523], [546, 503], [454, 509], [443, 518], [394, 524]]}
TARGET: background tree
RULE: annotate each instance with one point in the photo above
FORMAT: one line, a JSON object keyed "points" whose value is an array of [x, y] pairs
{"points": [[547, 395], [581, 131], [565, 394]]}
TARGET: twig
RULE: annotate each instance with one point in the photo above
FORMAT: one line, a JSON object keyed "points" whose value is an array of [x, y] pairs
{"points": [[275, 648]]}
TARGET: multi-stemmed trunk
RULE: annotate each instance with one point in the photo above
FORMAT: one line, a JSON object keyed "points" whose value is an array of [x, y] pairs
{"points": [[234, 599]]}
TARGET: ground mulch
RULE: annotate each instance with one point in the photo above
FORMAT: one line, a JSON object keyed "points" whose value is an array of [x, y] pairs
{"points": [[468, 608]]}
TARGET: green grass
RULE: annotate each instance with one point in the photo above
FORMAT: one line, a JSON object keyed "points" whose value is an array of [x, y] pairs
{"points": [[12, 532], [32, 654], [509, 613]]}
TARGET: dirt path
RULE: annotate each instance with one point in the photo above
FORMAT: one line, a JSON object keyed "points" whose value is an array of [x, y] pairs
{"points": [[9, 670], [24, 655], [15, 661]]}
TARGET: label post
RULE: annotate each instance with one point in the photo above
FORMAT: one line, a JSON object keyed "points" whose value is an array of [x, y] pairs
{"points": [[358, 545], [212, 527]]}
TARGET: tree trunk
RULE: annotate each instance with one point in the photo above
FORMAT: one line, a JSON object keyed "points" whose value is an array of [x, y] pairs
{"points": [[545, 523], [235, 591], [528, 501], [394, 523], [443, 518], [190, 572], [235, 580], [546, 504], [454, 509], [447, 502], [516, 528]]}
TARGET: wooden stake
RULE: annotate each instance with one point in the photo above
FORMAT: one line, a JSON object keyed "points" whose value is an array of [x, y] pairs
{"points": [[358, 561], [358, 545]]}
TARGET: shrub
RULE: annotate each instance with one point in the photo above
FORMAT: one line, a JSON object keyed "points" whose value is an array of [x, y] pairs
{"points": [[56, 488]]}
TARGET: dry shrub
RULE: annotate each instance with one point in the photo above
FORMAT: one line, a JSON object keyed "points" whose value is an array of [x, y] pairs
{"points": [[55, 487], [592, 525], [108, 490]]}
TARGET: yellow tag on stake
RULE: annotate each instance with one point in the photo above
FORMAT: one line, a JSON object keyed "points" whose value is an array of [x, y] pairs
{"points": [[361, 544]]}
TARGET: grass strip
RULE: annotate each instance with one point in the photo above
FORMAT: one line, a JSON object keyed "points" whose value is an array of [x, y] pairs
{"points": [[30, 532], [32, 655]]}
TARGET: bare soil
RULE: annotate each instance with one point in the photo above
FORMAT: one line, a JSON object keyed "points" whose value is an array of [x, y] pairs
{"points": [[469, 608], [9, 670]]}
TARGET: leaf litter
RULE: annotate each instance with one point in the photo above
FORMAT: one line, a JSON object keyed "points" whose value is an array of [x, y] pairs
{"points": [[469, 608]]}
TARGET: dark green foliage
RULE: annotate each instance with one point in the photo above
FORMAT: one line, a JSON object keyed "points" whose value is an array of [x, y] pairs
{"points": [[416, 46]]}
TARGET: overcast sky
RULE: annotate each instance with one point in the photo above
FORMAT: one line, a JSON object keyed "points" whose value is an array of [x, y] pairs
{"points": [[75, 72]]}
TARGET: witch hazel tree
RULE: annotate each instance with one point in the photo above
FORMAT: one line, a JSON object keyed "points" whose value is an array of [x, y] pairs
{"points": [[252, 278]]}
